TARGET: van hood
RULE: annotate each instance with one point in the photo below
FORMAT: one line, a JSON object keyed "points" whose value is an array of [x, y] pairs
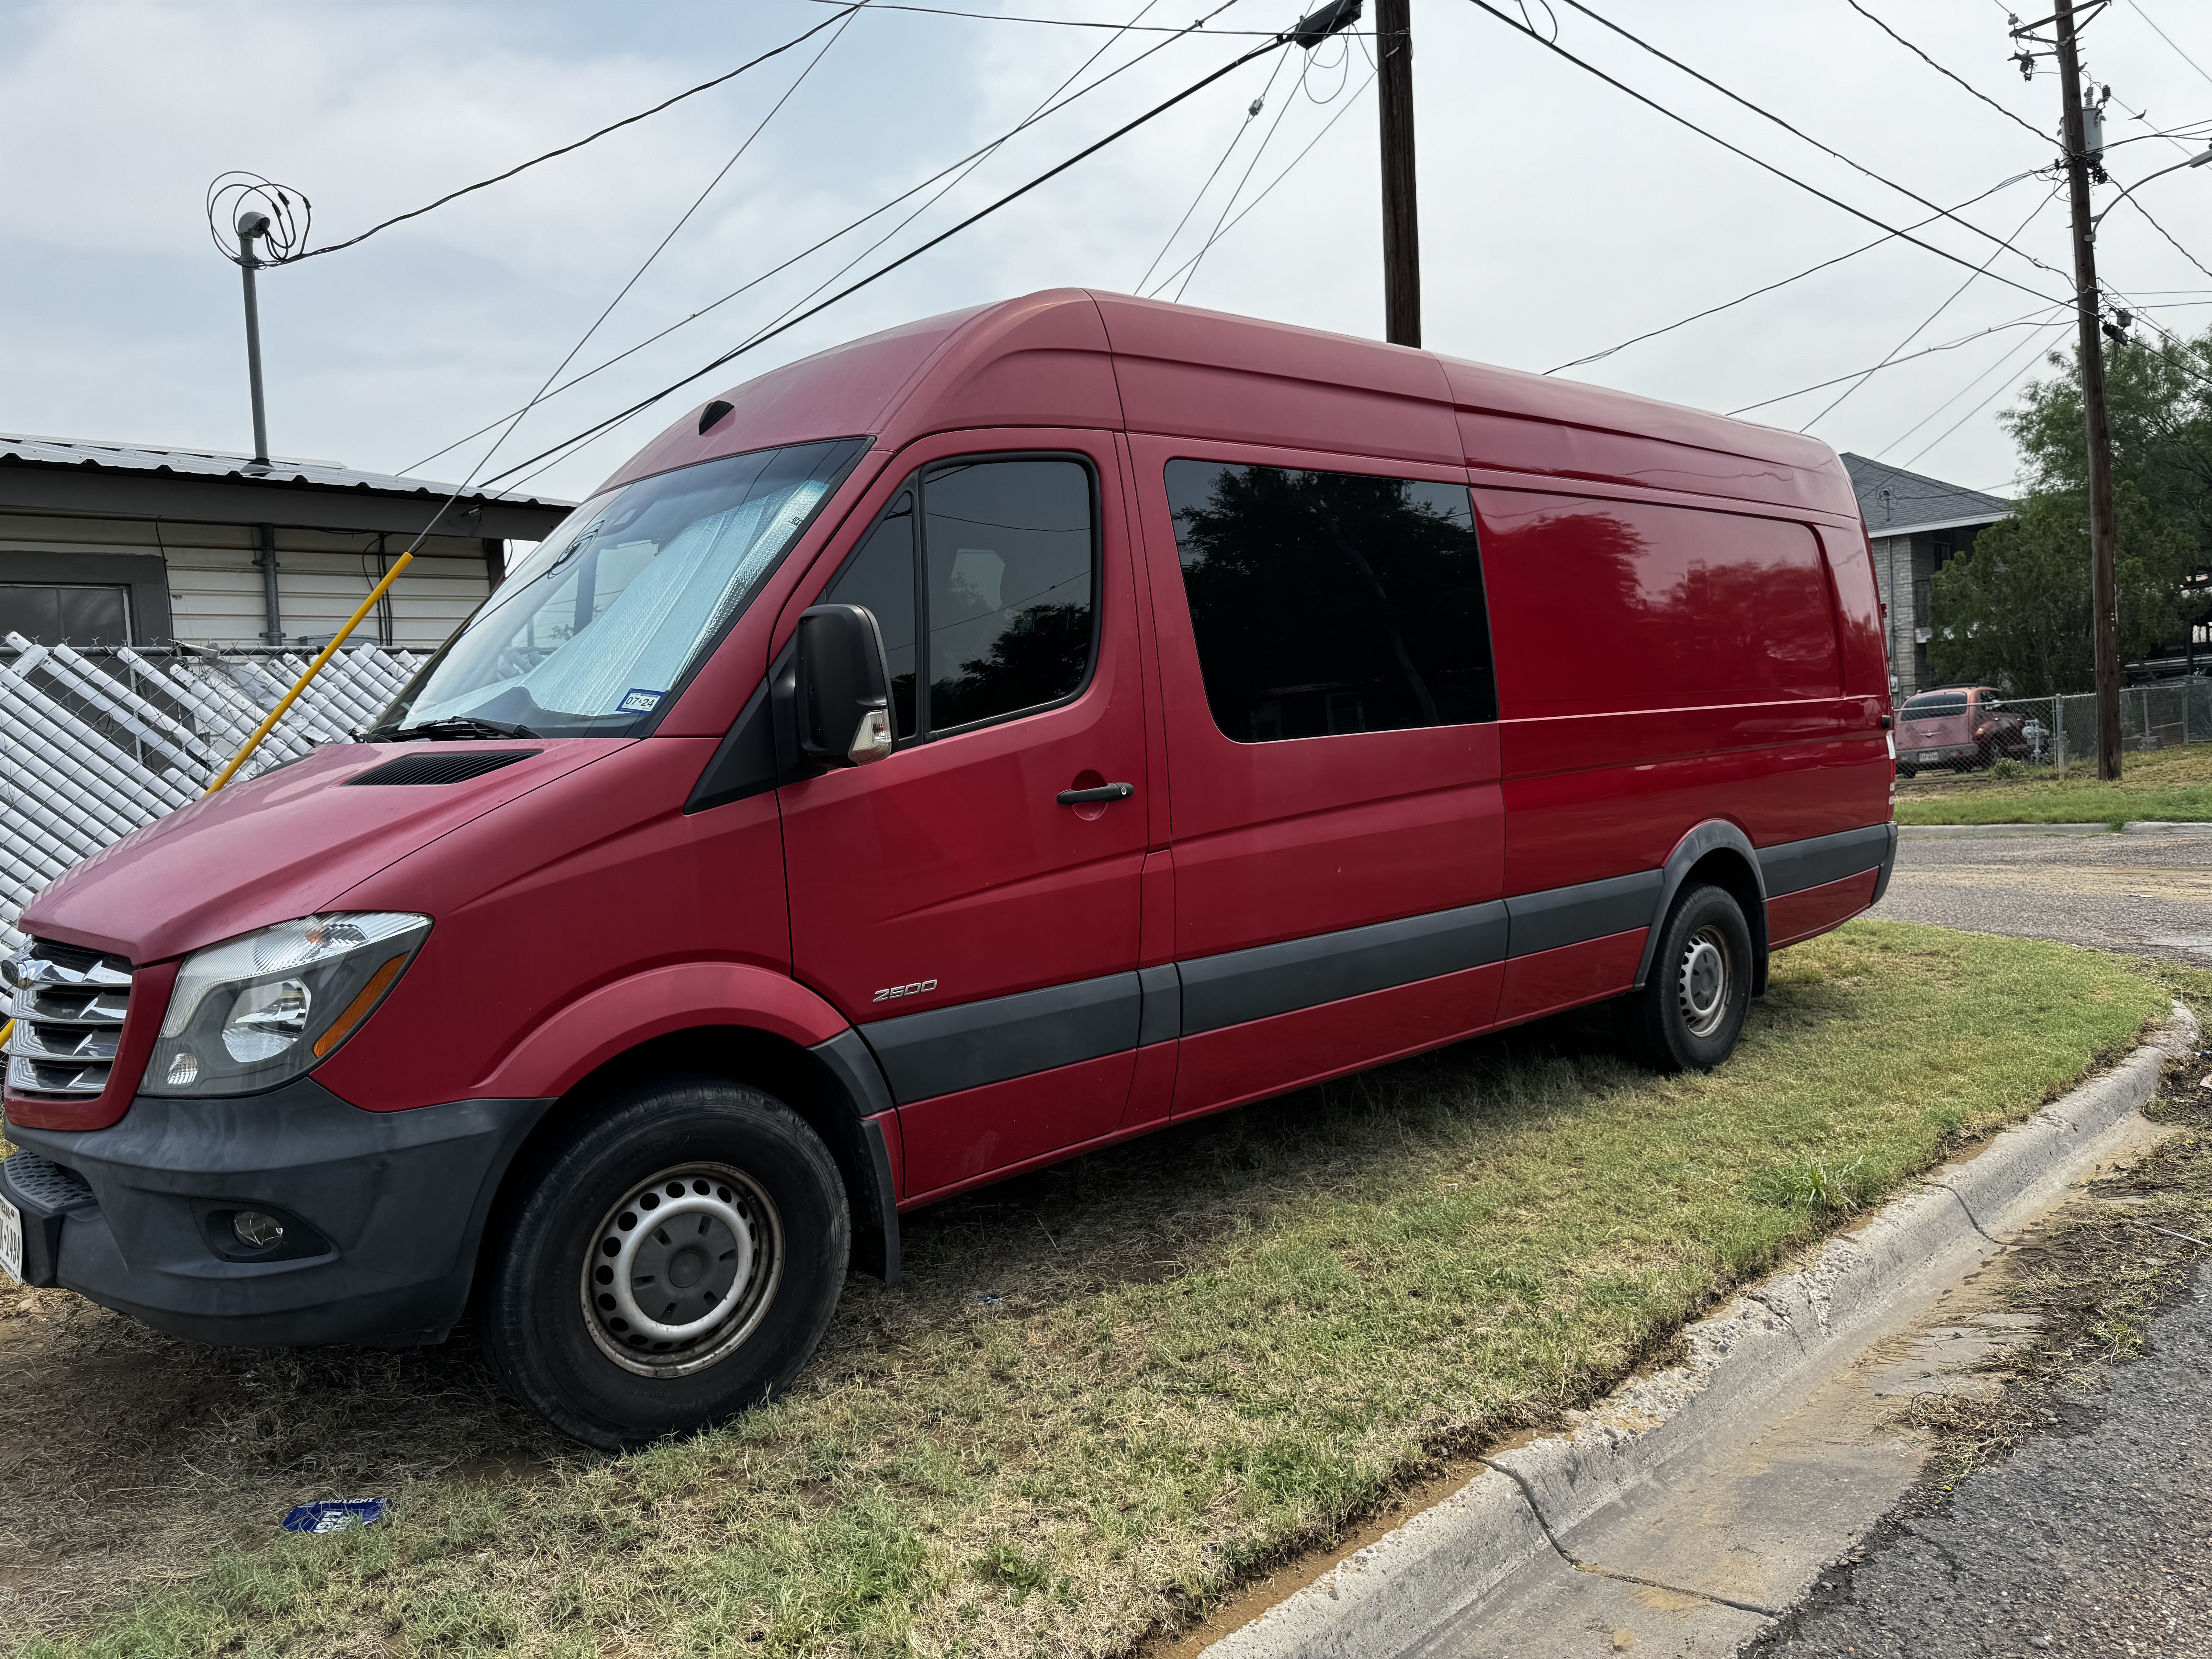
{"points": [[286, 844]]}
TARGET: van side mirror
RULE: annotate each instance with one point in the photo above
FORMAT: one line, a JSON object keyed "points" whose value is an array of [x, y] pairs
{"points": [[843, 685]]}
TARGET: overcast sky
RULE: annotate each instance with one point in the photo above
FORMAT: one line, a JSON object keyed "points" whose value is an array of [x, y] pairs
{"points": [[1558, 217]]}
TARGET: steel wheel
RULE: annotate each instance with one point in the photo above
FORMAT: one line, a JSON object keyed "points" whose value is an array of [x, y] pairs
{"points": [[681, 1269], [1703, 980]]}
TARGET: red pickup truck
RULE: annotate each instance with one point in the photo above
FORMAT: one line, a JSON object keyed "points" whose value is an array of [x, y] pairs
{"points": [[1958, 726]]}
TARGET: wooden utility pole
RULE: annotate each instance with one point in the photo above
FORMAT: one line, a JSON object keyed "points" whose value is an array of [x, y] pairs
{"points": [[1401, 228], [2104, 588]]}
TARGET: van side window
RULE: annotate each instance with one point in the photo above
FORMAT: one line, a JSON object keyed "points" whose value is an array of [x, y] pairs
{"points": [[1006, 580], [880, 575], [1331, 602]]}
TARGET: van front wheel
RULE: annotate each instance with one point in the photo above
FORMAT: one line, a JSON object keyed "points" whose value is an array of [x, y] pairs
{"points": [[1691, 1009], [676, 1261]]}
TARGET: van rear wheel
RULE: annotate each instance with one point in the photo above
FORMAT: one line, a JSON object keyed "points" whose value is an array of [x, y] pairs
{"points": [[676, 1261], [1691, 1010]]}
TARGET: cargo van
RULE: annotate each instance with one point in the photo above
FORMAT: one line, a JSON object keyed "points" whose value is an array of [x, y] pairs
{"points": [[959, 751]]}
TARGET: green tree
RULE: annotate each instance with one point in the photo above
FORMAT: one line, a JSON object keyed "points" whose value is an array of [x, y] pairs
{"points": [[2016, 612]]}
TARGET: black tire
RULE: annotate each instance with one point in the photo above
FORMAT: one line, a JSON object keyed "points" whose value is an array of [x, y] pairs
{"points": [[757, 1203], [1691, 1010]]}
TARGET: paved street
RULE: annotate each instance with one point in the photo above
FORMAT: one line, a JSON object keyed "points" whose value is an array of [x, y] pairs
{"points": [[2151, 894], [2094, 1539]]}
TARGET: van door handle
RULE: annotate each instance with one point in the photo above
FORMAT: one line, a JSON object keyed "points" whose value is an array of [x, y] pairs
{"points": [[1104, 791]]}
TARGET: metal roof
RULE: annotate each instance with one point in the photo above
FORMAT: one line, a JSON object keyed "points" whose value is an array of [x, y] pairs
{"points": [[82, 474], [1895, 503]]}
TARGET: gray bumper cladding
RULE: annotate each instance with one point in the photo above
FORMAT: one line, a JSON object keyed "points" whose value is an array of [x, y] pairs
{"points": [[382, 1211]]}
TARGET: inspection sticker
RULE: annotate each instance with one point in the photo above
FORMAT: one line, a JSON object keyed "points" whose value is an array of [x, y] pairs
{"points": [[638, 700]]}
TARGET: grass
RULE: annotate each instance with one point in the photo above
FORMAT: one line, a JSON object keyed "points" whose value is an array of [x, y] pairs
{"points": [[2170, 784], [1105, 1394]]}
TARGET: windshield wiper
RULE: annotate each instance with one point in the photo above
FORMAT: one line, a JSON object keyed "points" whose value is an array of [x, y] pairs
{"points": [[454, 726]]}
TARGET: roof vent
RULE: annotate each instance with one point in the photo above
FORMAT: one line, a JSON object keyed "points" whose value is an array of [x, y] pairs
{"points": [[448, 767], [712, 413]]}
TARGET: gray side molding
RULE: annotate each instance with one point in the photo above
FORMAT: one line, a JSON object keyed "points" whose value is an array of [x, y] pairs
{"points": [[854, 1068], [1712, 835], [1889, 864], [1161, 1017], [972, 1043]]}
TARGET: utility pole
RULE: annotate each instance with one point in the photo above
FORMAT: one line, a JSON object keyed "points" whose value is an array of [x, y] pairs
{"points": [[253, 225], [1401, 228], [2104, 627]]}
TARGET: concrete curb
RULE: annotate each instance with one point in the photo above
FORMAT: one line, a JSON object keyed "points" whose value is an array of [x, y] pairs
{"points": [[1410, 1584], [2165, 827]]}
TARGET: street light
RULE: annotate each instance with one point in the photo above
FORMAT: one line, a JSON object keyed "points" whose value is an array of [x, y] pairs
{"points": [[2193, 161]]}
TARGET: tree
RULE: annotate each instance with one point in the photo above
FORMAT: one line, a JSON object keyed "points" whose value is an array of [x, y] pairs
{"points": [[2016, 611]]}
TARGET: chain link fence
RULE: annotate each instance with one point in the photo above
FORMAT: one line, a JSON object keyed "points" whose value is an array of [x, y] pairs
{"points": [[94, 743], [2053, 734]]}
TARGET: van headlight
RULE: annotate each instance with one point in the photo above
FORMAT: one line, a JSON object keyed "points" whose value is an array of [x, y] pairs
{"points": [[257, 1010]]}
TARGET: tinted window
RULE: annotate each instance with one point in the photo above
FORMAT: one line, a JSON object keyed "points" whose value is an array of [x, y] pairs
{"points": [[880, 575], [1007, 580], [1009, 546], [1329, 602], [62, 614]]}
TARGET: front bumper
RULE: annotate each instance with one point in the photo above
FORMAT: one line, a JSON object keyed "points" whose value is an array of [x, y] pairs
{"points": [[383, 1212]]}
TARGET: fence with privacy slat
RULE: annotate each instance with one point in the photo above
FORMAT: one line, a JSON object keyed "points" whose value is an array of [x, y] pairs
{"points": [[95, 743]]}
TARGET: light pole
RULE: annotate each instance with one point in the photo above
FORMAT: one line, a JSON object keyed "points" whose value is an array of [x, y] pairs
{"points": [[253, 225], [2193, 161]]}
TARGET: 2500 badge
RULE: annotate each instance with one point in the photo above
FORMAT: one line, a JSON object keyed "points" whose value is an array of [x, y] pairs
{"points": [[892, 992]]}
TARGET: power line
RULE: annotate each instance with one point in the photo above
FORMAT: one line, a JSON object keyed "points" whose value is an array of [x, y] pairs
{"points": [[1931, 318], [2028, 321], [881, 271], [1764, 114], [1940, 70], [2169, 41], [848, 228], [1190, 267], [1810, 270], [1769, 167], [2137, 203], [960, 171], [627, 120], [1059, 22], [1289, 168], [1251, 115]]}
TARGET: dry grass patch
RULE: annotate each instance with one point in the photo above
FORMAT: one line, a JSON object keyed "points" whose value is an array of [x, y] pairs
{"points": [[1108, 1391]]}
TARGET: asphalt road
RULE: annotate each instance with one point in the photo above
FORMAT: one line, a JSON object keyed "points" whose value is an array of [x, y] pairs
{"points": [[2096, 1538], [2150, 895]]}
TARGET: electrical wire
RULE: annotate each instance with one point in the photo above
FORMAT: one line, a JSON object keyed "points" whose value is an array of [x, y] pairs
{"points": [[1764, 114], [1289, 168], [1925, 322], [1810, 270], [1768, 167], [1939, 69], [2137, 205], [1190, 267], [881, 271], [2169, 41], [627, 120], [698, 202], [1062, 22], [846, 229], [1251, 115], [964, 171], [2033, 319]]}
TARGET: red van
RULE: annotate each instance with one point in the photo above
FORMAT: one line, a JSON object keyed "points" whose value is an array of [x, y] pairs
{"points": [[965, 748]]}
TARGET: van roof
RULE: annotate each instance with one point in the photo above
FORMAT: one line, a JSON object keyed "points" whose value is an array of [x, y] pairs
{"points": [[1069, 357]]}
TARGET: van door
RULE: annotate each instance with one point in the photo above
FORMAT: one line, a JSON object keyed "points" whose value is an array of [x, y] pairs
{"points": [[1324, 655], [979, 929]]}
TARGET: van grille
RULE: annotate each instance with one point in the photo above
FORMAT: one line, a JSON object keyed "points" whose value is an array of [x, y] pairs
{"points": [[68, 1005]]}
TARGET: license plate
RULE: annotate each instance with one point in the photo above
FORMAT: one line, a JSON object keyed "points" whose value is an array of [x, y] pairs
{"points": [[11, 1241], [1921, 754]]}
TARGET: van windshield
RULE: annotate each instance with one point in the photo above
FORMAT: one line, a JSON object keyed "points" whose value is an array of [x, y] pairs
{"points": [[599, 623]]}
